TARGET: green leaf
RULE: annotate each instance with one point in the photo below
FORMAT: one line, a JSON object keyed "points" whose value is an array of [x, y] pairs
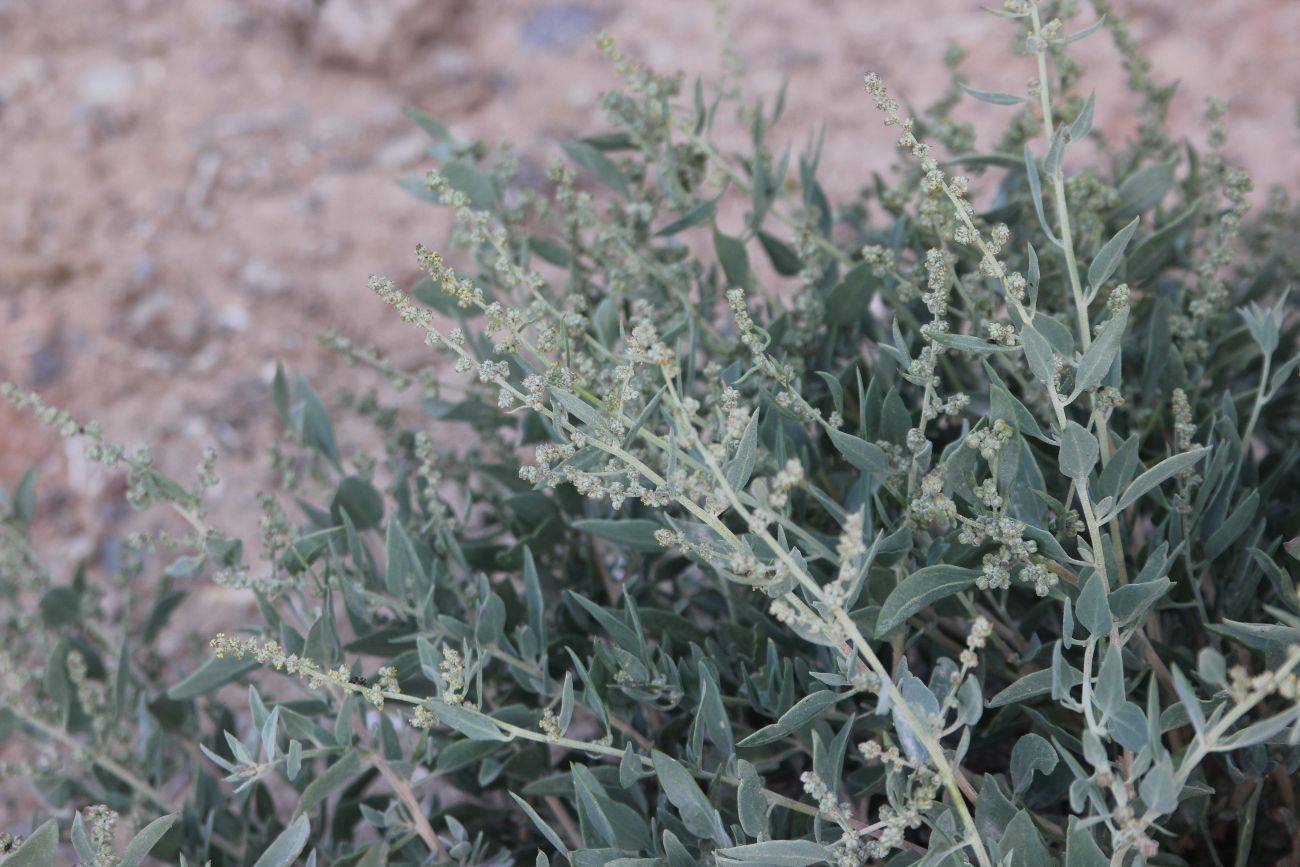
{"points": [[1151, 254], [428, 123], [142, 844], [701, 213], [1166, 469], [803, 712], [1083, 120], [1110, 692], [712, 712], [1055, 152], [466, 178], [591, 159], [919, 590], [1079, 452], [1097, 361], [865, 456], [551, 250], [1021, 846], [566, 703], [783, 257], [547, 831], [333, 778], [969, 343], [1110, 255], [1144, 189], [81, 840], [995, 97], [1081, 850], [1030, 686], [751, 804], [1262, 731], [1191, 704], [741, 467], [924, 705], [39, 849], [402, 562], [775, 853], [579, 408], [211, 675], [1031, 753], [1132, 602], [850, 299], [1233, 528], [635, 533], [993, 812], [1087, 31], [1036, 193], [1039, 353], [286, 848], [310, 421], [696, 811], [1092, 609], [60, 606], [472, 724], [1159, 789], [24, 502], [734, 260]]}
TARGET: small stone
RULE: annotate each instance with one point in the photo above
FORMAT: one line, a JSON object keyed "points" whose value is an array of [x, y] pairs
{"points": [[48, 363], [263, 278], [561, 26], [144, 269], [106, 84], [369, 34]]}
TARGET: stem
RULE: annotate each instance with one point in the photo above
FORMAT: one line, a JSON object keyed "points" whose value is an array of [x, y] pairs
{"points": [[1094, 531], [845, 623], [402, 789], [1261, 398], [156, 796], [1058, 188], [1089, 649]]}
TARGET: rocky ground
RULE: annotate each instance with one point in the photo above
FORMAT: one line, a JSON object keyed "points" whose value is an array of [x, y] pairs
{"points": [[192, 189]]}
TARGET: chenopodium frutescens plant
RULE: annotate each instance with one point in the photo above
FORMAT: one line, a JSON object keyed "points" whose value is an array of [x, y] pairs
{"points": [[931, 533]]}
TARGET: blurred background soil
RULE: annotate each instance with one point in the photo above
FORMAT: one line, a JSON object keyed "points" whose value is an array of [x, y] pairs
{"points": [[191, 190]]}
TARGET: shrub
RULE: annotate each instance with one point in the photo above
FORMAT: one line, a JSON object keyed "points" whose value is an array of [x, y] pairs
{"points": [[900, 529]]}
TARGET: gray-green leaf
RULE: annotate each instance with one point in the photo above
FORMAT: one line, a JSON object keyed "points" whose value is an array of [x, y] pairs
{"points": [[142, 844], [287, 846], [472, 724], [635, 533], [1166, 469], [696, 811], [1110, 255], [1079, 451], [1092, 608], [37, 850], [1097, 361], [803, 712], [995, 97], [865, 456], [1031, 753], [919, 590], [742, 465], [775, 853]]}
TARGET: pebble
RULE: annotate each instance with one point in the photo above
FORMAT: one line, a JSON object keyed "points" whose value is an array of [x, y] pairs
{"points": [[106, 84], [263, 278], [561, 26]]}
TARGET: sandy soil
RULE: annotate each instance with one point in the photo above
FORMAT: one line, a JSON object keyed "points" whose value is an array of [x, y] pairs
{"points": [[192, 189]]}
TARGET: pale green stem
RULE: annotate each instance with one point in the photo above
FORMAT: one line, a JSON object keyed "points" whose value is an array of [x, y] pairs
{"points": [[841, 617], [1058, 188]]}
